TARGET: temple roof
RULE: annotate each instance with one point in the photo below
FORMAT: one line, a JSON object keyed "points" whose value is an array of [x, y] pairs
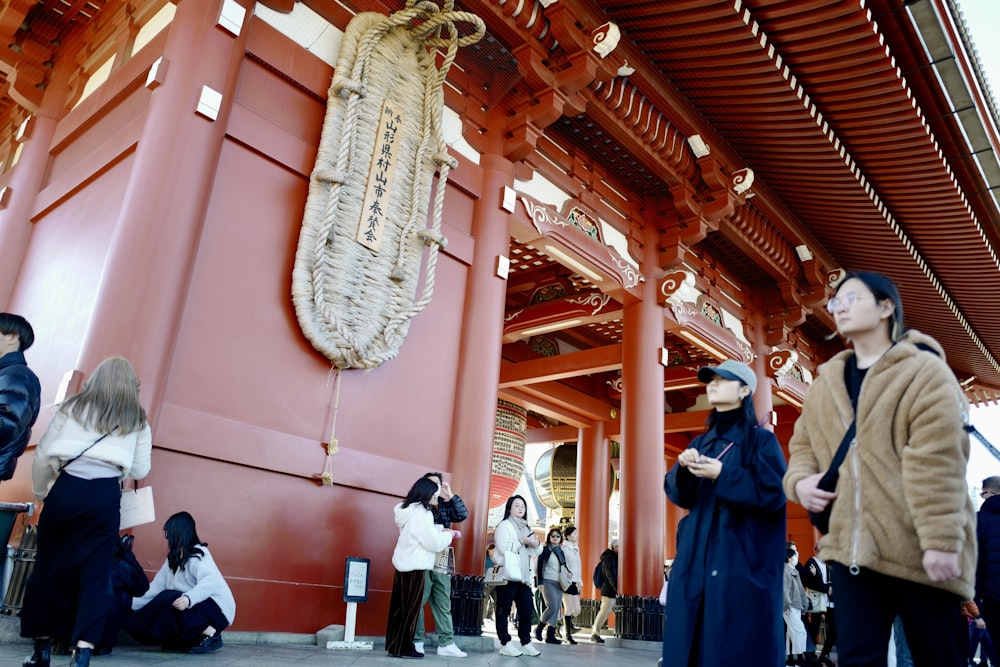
{"points": [[869, 128]]}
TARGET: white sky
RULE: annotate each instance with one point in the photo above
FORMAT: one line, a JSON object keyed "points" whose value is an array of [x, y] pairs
{"points": [[982, 17]]}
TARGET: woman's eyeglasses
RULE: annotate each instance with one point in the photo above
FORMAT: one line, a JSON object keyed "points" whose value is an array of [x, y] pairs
{"points": [[555, 537]]}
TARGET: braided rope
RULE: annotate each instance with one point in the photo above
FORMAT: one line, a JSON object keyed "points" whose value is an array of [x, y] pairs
{"points": [[354, 305]]}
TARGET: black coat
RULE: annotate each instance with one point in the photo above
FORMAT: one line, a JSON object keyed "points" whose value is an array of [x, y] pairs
{"points": [[812, 577], [19, 402], [609, 565], [726, 585], [988, 534], [450, 511]]}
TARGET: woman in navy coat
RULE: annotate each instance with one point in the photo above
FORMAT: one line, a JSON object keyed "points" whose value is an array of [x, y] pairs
{"points": [[725, 594]]}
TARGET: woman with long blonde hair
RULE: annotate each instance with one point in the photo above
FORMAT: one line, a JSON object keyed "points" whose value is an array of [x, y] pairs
{"points": [[98, 438]]}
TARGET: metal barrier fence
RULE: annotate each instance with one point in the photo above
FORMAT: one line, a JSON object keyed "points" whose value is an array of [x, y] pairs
{"points": [[24, 563], [639, 617], [467, 604]]}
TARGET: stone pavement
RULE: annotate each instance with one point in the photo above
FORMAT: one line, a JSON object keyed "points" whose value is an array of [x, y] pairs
{"points": [[274, 650], [280, 655]]}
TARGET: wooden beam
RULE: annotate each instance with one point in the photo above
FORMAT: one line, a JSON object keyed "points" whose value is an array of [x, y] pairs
{"points": [[567, 398], [552, 434], [544, 407], [681, 422], [559, 367]]}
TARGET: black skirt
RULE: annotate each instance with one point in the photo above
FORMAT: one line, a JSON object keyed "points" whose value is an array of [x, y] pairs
{"points": [[69, 593]]}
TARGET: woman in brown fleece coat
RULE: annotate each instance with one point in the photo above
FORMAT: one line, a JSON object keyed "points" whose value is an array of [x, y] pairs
{"points": [[902, 530]]}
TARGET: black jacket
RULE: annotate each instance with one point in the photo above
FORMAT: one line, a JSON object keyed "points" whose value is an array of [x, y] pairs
{"points": [[812, 577], [609, 565], [988, 534], [20, 398], [451, 511]]}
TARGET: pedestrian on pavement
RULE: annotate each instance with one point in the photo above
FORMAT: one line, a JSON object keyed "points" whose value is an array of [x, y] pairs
{"points": [[609, 589], [988, 564], [547, 579], [516, 544], [188, 603], [19, 391], [725, 594], [571, 596], [816, 579], [448, 509], [420, 540], [489, 590], [795, 603], [97, 438], [901, 535]]}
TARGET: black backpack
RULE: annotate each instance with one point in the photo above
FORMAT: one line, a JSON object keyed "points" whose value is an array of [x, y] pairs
{"points": [[599, 575]]}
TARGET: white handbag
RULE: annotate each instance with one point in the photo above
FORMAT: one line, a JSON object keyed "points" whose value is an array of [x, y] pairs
{"points": [[137, 507], [512, 566]]}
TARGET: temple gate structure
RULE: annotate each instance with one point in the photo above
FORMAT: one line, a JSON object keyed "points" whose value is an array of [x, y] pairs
{"points": [[639, 188]]}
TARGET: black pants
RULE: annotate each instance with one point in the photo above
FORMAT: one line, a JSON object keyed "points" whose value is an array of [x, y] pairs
{"points": [[404, 605], [831, 632], [989, 609], [69, 592], [514, 594], [867, 603], [159, 624]]}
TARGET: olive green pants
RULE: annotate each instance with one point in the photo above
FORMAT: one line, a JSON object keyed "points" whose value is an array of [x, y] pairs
{"points": [[437, 591]]}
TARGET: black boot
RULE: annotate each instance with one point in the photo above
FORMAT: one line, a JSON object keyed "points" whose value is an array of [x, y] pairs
{"points": [[550, 636], [81, 657], [538, 631], [41, 655], [569, 630]]}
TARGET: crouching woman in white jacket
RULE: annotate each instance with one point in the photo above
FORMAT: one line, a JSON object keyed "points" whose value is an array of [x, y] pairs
{"points": [[188, 604], [419, 542]]}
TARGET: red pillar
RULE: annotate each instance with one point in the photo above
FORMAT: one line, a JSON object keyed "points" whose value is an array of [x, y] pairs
{"points": [[140, 299], [479, 362], [26, 179], [15, 220], [593, 482], [763, 400], [640, 558]]}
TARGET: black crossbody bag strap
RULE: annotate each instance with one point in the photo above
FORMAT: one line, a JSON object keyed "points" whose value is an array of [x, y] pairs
{"points": [[841, 454], [828, 482], [85, 450]]}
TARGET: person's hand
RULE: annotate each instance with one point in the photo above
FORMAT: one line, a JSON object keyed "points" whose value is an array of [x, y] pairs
{"points": [[687, 457], [980, 623], [706, 468], [446, 493], [456, 534], [811, 497], [182, 603], [941, 566]]}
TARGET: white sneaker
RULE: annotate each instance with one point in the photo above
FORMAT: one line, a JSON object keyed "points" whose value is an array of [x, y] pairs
{"points": [[452, 651], [511, 649], [529, 650], [418, 647]]}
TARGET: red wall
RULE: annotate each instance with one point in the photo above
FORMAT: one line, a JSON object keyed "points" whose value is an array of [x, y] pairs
{"points": [[247, 400]]}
